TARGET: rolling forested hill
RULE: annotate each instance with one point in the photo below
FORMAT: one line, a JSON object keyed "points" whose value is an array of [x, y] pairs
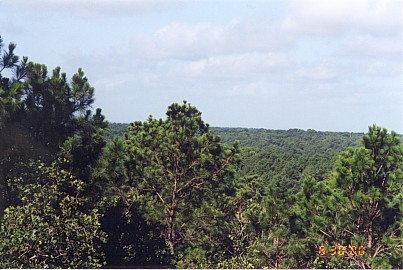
{"points": [[288, 155], [280, 155]]}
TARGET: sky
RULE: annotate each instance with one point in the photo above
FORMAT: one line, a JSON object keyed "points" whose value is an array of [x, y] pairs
{"points": [[308, 64]]}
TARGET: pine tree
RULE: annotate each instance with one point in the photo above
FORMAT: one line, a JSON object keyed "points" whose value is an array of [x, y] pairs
{"points": [[178, 170], [369, 179], [357, 211], [10, 88], [38, 112]]}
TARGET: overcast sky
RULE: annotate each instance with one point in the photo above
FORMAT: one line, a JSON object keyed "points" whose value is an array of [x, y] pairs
{"points": [[309, 64]]}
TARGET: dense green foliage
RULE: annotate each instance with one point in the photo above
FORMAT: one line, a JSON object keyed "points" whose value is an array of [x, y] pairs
{"points": [[288, 156], [53, 227], [78, 192], [115, 129]]}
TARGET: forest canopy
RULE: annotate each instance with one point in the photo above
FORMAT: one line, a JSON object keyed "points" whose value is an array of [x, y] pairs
{"points": [[79, 192]]}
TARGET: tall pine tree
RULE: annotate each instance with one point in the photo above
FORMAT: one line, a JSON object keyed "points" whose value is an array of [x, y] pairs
{"points": [[359, 210], [178, 175]]}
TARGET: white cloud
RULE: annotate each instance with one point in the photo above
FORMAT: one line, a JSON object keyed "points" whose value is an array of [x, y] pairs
{"points": [[93, 8], [195, 41], [379, 68], [379, 47], [235, 50], [321, 71], [240, 52], [341, 16], [258, 89], [238, 66]]}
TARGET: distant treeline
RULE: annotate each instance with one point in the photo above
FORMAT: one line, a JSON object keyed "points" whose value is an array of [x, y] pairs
{"points": [[279, 155]]}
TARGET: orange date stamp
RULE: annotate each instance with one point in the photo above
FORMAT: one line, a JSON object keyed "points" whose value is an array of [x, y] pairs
{"points": [[339, 250]]}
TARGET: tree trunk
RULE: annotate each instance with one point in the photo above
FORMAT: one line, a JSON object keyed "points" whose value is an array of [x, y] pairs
{"points": [[370, 237], [171, 231]]}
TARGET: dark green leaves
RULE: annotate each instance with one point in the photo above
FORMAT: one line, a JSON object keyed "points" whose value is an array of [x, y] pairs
{"points": [[53, 227]]}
